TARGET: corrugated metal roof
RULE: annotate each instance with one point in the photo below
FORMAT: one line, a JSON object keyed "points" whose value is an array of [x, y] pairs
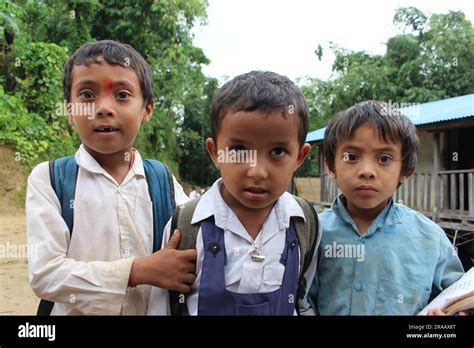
{"points": [[315, 135], [421, 114]]}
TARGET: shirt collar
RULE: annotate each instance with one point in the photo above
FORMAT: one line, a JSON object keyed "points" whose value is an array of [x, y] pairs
{"points": [[85, 160], [212, 204], [388, 216]]}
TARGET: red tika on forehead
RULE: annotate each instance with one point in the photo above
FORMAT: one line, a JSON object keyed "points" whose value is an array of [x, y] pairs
{"points": [[106, 85]]}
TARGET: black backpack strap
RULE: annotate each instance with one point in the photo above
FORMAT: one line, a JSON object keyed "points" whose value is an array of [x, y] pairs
{"points": [[171, 184], [44, 308], [308, 235], [181, 220], [176, 306]]}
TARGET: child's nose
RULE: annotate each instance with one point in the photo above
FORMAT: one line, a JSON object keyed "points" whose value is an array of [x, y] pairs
{"points": [[257, 172], [104, 107], [367, 170]]}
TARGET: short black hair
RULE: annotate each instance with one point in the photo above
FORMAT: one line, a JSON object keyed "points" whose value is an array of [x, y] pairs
{"points": [[260, 91], [390, 123], [115, 53]]}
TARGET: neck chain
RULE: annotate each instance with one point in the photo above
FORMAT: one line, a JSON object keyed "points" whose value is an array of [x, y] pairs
{"points": [[258, 246]]}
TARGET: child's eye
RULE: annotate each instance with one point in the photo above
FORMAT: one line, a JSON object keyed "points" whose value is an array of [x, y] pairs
{"points": [[385, 159], [123, 95], [86, 94], [278, 152], [349, 157]]}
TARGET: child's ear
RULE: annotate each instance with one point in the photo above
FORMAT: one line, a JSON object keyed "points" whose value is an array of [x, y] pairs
{"points": [[331, 174], [211, 148], [302, 154], [148, 111], [403, 179], [70, 118]]}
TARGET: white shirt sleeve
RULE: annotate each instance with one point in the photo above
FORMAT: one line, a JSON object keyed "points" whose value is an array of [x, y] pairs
{"points": [[96, 287], [304, 305], [179, 196]]}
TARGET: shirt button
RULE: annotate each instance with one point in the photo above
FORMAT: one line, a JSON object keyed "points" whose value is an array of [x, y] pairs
{"points": [[214, 247], [358, 287], [126, 251], [362, 240]]}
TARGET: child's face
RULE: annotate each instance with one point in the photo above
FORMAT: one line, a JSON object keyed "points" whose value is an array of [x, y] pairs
{"points": [[270, 142], [367, 169], [117, 103]]}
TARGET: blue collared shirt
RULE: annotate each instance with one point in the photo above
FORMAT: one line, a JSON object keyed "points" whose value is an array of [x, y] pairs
{"points": [[388, 270]]}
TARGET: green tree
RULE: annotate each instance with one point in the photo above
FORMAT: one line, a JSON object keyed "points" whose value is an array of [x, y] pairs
{"points": [[51, 30], [195, 165], [432, 59]]}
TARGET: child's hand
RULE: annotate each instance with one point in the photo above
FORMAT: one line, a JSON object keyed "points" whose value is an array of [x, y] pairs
{"points": [[168, 268], [435, 311]]}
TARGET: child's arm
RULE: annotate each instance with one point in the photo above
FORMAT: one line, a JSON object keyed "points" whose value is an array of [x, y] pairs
{"points": [[449, 268], [304, 304], [94, 287]]}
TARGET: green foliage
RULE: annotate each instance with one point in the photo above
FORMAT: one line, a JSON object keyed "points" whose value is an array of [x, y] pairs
{"points": [[434, 63], [319, 95], [410, 17], [29, 133], [8, 11], [66, 23], [195, 164], [50, 30], [30, 93], [433, 60], [38, 70]]}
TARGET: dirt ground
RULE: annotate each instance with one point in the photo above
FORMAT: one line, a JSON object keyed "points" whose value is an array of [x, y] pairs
{"points": [[16, 296]]}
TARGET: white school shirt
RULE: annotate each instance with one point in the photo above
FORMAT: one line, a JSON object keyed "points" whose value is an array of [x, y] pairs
{"points": [[242, 275], [113, 224]]}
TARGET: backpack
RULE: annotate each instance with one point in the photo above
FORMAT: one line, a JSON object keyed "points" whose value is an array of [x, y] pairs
{"points": [[307, 234], [63, 174]]}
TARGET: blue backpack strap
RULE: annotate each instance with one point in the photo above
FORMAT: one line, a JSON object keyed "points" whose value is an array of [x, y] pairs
{"points": [[161, 190], [63, 174]]}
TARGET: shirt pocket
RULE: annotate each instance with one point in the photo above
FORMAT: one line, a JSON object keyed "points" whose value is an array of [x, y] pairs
{"points": [[393, 298], [272, 277]]}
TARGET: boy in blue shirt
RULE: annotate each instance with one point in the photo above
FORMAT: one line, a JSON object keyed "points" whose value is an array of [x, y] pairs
{"points": [[377, 257], [249, 246]]}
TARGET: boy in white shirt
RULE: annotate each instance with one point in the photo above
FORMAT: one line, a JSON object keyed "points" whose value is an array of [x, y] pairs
{"points": [[103, 263], [248, 253]]}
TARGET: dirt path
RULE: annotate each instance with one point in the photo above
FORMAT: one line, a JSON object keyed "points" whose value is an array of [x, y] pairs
{"points": [[16, 296]]}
